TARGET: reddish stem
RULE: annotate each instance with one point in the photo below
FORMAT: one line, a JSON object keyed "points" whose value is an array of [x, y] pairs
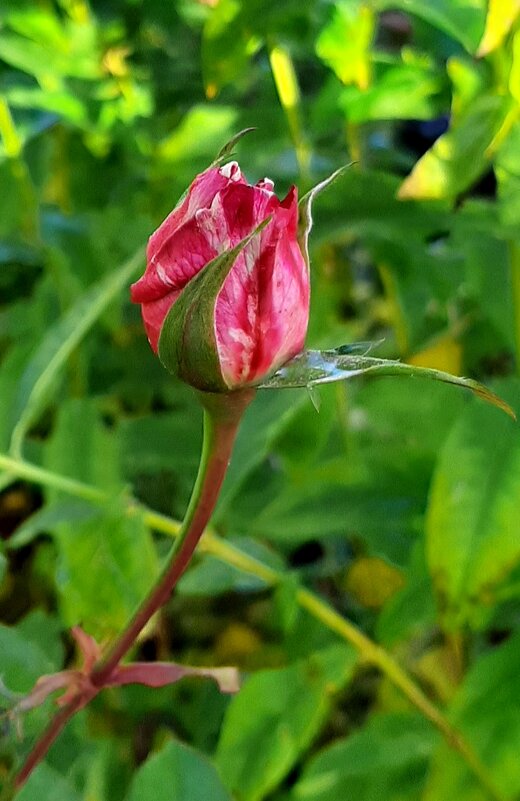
{"points": [[220, 433], [222, 415], [55, 727]]}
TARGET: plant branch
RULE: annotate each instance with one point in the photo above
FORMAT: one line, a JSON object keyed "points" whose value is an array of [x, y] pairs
{"points": [[230, 554], [222, 415], [52, 731], [220, 429]]}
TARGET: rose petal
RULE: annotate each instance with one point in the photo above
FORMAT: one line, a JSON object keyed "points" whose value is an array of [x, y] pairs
{"points": [[244, 207], [287, 213], [199, 196], [262, 311], [181, 256], [154, 314]]}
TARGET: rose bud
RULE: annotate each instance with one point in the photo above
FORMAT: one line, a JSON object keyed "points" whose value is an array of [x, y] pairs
{"points": [[225, 294]]}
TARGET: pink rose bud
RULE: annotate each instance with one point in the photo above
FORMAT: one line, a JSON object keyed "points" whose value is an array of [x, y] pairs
{"points": [[239, 320]]}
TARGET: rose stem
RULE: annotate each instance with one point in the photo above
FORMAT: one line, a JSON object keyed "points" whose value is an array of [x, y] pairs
{"points": [[222, 416]]}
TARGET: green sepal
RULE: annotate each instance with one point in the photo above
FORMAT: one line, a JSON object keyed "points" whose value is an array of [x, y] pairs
{"points": [[223, 155], [227, 150], [187, 344], [305, 210]]}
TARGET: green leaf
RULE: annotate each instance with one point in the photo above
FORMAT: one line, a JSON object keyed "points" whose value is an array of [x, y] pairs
{"points": [[196, 135], [508, 176], [386, 759], [275, 718], [406, 91], [43, 61], [118, 551], [45, 632], [364, 204], [228, 44], [461, 19], [212, 576], [48, 517], [486, 710], [177, 773], [313, 367], [66, 104], [13, 363], [113, 547], [146, 442], [41, 375], [83, 448], [487, 270], [461, 155], [472, 513], [46, 782], [27, 651], [383, 519], [344, 44], [411, 610]]}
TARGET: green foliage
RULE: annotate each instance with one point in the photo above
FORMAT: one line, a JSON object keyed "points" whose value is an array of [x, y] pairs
{"points": [[176, 773], [387, 758], [282, 710], [486, 708], [387, 519]]}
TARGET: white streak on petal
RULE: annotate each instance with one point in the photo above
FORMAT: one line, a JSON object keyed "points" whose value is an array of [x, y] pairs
{"points": [[231, 171], [211, 223], [267, 186], [163, 276], [238, 335]]}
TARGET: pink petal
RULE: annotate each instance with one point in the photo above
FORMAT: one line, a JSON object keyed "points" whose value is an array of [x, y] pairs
{"points": [[287, 213], [190, 237], [181, 256], [154, 314], [262, 311], [244, 207], [200, 195]]}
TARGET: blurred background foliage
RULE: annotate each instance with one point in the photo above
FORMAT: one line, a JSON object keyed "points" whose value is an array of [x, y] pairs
{"points": [[395, 507]]}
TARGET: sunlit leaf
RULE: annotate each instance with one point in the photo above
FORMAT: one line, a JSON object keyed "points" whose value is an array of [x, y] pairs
{"points": [[198, 132], [460, 155], [406, 91], [344, 44], [500, 17]]}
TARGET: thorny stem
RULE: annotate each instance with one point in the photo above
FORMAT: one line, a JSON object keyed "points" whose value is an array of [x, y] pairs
{"points": [[222, 415], [369, 651]]}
